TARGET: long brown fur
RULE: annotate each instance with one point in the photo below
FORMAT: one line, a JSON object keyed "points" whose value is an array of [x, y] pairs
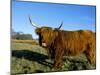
{"points": [[70, 43]]}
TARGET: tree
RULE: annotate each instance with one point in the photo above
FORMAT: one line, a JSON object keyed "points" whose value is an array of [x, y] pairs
{"points": [[20, 36]]}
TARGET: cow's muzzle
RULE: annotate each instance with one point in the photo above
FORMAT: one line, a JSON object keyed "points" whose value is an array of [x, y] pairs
{"points": [[44, 45]]}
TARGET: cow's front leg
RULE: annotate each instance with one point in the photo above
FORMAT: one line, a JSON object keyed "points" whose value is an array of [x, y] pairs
{"points": [[58, 58]]}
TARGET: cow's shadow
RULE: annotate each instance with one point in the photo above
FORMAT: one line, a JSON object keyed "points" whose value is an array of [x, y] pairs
{"points": [[32, 56]]}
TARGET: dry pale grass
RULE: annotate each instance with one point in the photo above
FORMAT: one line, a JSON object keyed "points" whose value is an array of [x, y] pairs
{"points": [[33, 42]]}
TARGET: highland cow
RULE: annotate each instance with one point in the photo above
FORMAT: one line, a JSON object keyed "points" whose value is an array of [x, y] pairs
{"points": [[70, 43]]}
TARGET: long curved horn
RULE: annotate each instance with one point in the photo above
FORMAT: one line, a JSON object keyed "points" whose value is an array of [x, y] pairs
{"points": [[60, 25], [33, 24]]}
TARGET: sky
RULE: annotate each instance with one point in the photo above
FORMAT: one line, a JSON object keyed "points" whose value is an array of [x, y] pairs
{"points": [[74, 17]]}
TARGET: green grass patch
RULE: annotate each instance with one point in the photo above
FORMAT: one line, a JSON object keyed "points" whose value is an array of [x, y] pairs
{"points": [[28, 58]]}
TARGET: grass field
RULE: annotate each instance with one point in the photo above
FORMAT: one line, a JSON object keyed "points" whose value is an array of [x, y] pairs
{"points": [[29, 57], [33, 42]]}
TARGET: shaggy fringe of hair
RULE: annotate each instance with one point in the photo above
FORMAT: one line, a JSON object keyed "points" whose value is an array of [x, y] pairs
{"points": [[74, 43]]}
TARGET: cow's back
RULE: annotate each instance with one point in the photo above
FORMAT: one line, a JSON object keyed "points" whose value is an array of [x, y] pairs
{"points": [[74, 42]]}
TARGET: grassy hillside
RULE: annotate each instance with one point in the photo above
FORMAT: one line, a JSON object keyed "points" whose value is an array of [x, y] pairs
{"points": [[31, 58]]}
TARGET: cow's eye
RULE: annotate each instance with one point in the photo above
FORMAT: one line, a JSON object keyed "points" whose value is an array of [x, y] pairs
{"points": [[37, 33]]}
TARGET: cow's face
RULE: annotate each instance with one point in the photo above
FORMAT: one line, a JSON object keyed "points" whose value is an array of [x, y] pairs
{"points": [[45, 35]]}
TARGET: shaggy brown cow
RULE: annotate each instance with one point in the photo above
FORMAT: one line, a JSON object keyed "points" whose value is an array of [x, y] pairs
{"points": [[70, 43]]}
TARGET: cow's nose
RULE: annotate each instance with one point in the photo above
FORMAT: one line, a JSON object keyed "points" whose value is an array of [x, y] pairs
{"points": [[43, 41]]}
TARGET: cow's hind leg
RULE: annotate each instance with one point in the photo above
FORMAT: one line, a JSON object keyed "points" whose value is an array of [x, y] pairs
{"points": [[91, 54]]}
